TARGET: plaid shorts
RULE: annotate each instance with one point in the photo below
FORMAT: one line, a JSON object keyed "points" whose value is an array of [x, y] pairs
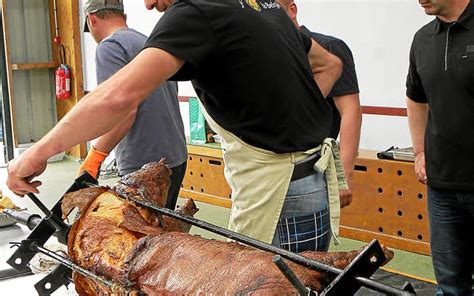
{"points": [[305, 233], [304, 223]]}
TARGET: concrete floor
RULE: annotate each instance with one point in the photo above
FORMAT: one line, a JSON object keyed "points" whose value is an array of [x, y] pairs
{"points": [[60, 175]]}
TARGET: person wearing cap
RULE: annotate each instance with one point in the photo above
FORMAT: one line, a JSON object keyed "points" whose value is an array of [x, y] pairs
{"points": [[262, 84], [152, 130]]}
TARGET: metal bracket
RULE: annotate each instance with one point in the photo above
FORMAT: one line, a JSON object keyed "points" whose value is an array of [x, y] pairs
{"points": [[61, 275], [357, 274], [54, 220], [364, 265], [45, 229]]}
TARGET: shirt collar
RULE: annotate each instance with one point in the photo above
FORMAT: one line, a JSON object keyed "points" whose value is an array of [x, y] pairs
{"points": [[464, 20], [304, 29]]}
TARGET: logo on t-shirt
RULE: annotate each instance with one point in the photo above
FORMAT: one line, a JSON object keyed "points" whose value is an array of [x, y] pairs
{"points": [[258, 6], [254, 4]]}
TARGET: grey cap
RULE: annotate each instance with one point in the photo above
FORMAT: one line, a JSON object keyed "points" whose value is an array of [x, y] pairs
{"points": [[93, 6]]}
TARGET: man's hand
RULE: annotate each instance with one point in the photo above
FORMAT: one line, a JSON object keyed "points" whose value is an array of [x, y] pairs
{"points": [[93, 162], [420, 167], [22, 170], [345, 196]]}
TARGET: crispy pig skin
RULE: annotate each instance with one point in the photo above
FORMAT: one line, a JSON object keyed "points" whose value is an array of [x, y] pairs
{"points": [[133, 221], [128, 244], [151, 183], [168, 263], [170, 224], [79, 199], [102, 237], [109, 225]]}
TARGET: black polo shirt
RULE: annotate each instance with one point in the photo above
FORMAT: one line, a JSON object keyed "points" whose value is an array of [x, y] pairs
{"points": [[346, 84], [441, 74], [249, 66]]}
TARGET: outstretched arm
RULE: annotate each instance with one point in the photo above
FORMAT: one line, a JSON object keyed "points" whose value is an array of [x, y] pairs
{"points": [[95, 114], [104, 144]]}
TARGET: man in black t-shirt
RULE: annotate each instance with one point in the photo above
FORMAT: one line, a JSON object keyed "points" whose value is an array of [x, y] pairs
{"points": [[440, 103], [255, 74], [343, 98]]}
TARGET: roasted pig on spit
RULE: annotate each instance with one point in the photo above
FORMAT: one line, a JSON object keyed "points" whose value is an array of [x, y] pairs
{"points": [[130, 245]]}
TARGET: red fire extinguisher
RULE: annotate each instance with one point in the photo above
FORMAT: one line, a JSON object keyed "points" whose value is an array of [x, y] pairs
{"points": [[63, 77], [62, 74]]}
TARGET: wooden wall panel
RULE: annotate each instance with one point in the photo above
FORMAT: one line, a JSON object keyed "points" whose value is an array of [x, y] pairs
{"points": [[70, 33]]}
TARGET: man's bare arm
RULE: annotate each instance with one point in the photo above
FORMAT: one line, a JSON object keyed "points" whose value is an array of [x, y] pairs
{"points": [[326, 67], [351, 121], [417, 120], [108, 141], [95, 114]]}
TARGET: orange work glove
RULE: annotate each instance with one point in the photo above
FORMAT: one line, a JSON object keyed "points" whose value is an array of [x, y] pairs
{"points": [[93, 162]]}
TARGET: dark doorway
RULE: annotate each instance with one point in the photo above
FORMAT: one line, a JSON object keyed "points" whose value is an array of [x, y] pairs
{"points": [[5, 126]]}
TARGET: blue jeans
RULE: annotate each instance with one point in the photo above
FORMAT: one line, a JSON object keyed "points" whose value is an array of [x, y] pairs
{"points": [[304, 220], [451, 215]]}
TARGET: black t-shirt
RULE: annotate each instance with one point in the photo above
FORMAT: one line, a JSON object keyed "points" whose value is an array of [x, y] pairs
{"points": [[248, 64], [347, 83], [442, 74]]}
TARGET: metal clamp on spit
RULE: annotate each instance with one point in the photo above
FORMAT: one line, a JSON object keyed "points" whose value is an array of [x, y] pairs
{"points": [[49, 225], [57, 278]]}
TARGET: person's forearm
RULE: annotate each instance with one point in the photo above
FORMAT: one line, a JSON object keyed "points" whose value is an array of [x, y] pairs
{"points": [[107, 142], [81, 124], [112, 101], [417, 120], [351, 121], [349, 143]]}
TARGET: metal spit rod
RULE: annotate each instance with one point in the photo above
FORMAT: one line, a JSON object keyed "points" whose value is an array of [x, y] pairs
{"points": [[290, 275], [40, 205], [266, 247], [66, 262]]}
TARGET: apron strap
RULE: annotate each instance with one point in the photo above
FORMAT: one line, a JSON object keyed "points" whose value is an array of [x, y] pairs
{"points": [[330, 164]]}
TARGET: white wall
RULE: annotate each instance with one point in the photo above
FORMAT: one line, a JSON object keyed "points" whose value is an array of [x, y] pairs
{"points": [[379, 32]]}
